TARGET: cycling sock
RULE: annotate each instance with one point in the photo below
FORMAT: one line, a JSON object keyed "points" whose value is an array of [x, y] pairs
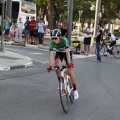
{"points": [[74, 87]]}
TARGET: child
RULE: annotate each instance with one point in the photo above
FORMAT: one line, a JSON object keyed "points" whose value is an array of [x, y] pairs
{"points": [[12, 31], [76, 46]]}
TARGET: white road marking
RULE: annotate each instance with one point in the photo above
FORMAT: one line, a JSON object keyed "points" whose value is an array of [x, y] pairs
{"points": [[38, 60], [82, 56], [35, 53]]}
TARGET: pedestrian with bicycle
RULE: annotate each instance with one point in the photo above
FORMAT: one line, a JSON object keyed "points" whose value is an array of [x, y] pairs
{"points": [[60, 44], [97, 38]]}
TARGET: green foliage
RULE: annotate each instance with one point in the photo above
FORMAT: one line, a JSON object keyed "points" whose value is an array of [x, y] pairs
{"points": [[117, 33]]}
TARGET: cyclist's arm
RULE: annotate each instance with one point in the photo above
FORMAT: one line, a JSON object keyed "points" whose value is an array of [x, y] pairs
{"points": [[50, 58], [68, 55]]}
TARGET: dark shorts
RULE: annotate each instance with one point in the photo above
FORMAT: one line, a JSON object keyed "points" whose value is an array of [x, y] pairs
{"points": [[77, 49], [112, 43], [7, 31], [26, 32], [62, 55], [32, 33], [36, 33], [87, 41]]}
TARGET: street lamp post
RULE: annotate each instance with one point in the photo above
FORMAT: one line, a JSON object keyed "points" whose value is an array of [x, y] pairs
{"points": [[2, 25], [80, 13]]}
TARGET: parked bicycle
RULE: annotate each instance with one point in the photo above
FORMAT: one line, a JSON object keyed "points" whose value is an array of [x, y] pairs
{"points": [[115, 50], [65, 88]]}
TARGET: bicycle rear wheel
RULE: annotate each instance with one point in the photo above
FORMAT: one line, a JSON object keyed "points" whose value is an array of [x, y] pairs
{"points": [[102, 50], [71, 89], [64, 97], [116, 51]]}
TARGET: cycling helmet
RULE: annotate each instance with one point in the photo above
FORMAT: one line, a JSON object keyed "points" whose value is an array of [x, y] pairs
{"points": [[55, 33], [107, 30]]}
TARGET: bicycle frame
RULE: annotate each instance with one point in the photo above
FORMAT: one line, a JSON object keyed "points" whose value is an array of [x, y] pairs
{"points": [[65, 76]]}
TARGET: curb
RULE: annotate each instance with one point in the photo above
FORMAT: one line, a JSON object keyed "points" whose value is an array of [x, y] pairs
{"points": [[6, 68]]}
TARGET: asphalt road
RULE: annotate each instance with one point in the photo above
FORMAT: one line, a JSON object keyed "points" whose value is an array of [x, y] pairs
{"points": [[32, 94]]}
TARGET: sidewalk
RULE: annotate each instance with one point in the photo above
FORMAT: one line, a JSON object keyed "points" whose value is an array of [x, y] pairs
{"points": [[10, 60]]}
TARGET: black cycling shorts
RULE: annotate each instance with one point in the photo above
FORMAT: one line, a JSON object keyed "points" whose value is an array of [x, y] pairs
{"points": [[62, 55]]}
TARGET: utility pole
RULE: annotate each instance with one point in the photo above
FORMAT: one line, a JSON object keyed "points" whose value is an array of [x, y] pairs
{"points": [[97, 15], [9, 7], [70, 17], [2, 23]]}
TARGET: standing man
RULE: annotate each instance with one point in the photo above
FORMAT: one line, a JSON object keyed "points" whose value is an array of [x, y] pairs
{"points": [[7, 27], [87, 40], [19, 29], [32, 29], [98, 37], [26, 30], [64, 29]]}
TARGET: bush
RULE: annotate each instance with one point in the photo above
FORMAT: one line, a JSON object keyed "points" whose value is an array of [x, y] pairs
{"points": [[117, 34]]}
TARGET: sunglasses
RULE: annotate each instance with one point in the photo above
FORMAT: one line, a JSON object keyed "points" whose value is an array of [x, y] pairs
{"points": [[54, 38]]}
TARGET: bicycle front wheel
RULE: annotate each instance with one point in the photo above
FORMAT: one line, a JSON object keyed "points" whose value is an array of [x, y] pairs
{"points": [[71, 96], [116, 51], [64, 97], [102, 50]]}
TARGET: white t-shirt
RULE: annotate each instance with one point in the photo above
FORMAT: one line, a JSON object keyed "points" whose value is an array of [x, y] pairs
{"points": [[112, 37], [88, 30], [20, 24], [11, 29]]}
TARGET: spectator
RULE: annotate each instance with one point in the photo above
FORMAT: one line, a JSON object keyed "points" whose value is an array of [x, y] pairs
{"points": [[32, 30], [26, 30], [41, 30], [77, 46], [46, 23], [64, 29], [19, 29], [98, 44], [87, 40], [7, 28], [12, 31]]}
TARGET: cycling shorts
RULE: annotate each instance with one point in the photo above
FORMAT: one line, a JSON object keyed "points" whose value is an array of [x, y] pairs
{"points": [[62, 55]]}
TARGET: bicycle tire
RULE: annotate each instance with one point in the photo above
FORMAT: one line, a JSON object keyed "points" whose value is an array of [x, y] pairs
{"points": [[71, 96], [102, 50], [64, 97], [116, 51]]}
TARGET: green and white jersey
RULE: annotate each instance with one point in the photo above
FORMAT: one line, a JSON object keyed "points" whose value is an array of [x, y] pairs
{"points": [[59, 47]]}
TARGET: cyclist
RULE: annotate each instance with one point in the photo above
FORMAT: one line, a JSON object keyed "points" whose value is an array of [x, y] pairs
{"points": [[112, 38], [61, 46]]}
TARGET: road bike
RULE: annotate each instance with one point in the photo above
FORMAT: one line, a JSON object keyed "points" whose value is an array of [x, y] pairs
{"points": [[65, 88], [115, 50]]}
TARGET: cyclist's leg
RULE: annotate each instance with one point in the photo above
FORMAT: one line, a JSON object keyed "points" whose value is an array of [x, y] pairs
{"points": [[70, 72], [58, 60], [112, 43], [72, 76]]}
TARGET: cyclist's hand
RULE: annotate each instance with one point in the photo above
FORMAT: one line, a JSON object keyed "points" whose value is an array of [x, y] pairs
{"points": [[70, 65], [49, 69]]}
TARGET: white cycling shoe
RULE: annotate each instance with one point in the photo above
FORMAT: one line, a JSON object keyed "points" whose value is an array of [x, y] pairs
{"points": [[76, 95]]}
